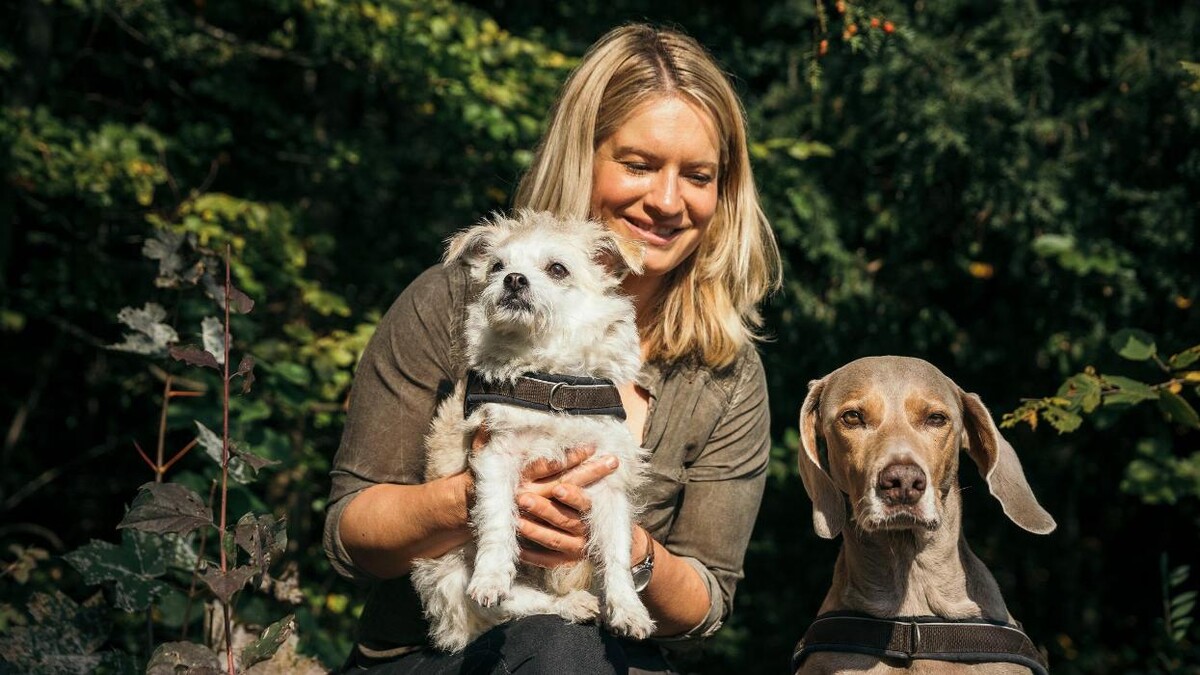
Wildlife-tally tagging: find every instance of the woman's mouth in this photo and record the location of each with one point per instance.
(654, 234)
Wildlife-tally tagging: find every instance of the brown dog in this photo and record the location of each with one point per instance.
(908, 594)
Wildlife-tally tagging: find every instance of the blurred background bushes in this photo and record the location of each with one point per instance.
(995, 187)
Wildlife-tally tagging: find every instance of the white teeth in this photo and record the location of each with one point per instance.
(663, 231)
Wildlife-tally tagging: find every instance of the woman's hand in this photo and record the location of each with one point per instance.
(553, 504)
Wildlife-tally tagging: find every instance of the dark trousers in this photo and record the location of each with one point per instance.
(535, 645)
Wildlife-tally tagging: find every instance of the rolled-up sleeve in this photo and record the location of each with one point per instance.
(407, 367)
(722, 493)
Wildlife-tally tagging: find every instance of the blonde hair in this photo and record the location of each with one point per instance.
(708, 305)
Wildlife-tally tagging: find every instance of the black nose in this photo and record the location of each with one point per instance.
(515, 282)
(901, 484)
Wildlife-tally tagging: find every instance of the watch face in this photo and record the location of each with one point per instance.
(641, 576)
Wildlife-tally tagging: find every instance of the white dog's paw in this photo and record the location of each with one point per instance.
(489, 590)
(629, 619)
(577, 606)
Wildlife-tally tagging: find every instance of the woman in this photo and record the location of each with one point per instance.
(649, 137)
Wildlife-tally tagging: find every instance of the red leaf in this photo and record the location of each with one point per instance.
(239, 301)
(195, 356)
(225, 584)
(246, 370)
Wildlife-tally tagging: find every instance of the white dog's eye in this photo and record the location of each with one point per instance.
(556, 271)
(497, 267)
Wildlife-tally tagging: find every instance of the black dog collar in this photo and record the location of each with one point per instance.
(547, 393)
(922, 637)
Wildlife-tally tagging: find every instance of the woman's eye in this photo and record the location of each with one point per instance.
(636, 167)
(852, 418)
(557, 271)
(700, 178)
(497, 267)
(936, 420)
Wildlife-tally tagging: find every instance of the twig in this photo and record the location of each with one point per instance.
(187, 609)
(225, 457)
(162, 430)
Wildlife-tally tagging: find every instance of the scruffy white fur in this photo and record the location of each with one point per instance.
(581, 325)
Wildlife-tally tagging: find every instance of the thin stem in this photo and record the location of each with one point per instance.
(187, 609)
(179, 455)
(159, 469)
(225, 458)
(146, 458)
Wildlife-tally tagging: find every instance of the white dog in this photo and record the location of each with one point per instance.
(550, 320)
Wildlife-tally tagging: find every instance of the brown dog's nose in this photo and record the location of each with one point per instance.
(515, 282)
(901, 484)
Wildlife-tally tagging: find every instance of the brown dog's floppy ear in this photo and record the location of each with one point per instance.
(829, 511)
(620, 256)
(999, 466)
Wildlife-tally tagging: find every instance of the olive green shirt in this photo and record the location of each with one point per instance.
(708, 432)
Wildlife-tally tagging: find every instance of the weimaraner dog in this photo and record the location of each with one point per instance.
(908, 594)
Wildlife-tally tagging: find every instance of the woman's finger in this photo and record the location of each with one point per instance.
(544, 468)
(573, 497)
(551, 538)
(568, 518)
(589, 472)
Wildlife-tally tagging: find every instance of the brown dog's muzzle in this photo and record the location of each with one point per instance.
(901, 485)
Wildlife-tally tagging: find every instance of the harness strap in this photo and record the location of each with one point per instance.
(926, 637)
(547, 393)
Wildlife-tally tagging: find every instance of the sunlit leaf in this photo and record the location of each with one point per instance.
(152, 337)
(268, 643)
(212, 332)
(1126, 391)
(1133, 344)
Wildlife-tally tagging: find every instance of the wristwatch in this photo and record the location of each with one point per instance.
(644, 570)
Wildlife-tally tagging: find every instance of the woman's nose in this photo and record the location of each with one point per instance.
(663, 198)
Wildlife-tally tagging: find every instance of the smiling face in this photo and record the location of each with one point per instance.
(655, 180)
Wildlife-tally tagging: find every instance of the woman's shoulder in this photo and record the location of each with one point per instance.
(438, 289)
(730, 381)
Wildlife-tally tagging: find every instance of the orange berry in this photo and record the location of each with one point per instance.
(889, 27)
(874, 22)
(823, 48)
(852, 29)
(841, 7)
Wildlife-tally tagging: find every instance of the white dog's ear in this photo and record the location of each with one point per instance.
(618, 255)
(829, 509)
(472, 245)
(999, 466)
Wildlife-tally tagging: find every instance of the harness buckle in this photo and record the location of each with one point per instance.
(550, 397)
(914, 638)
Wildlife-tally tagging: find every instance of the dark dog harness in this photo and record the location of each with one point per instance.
(545, 392)
(921, 637)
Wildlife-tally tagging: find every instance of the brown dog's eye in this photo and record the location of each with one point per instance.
(936, 419)
(852, 418)
(557, 271)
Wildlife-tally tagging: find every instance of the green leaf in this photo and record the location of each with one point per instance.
(1181, 607)
(131, 567)
(1180, 574)
(1083, 390)
(1184, 358)
(1062, 419)
(1178, 410)
(1133, 344)
(268, 643)
(1126, 391)
(166, 507)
